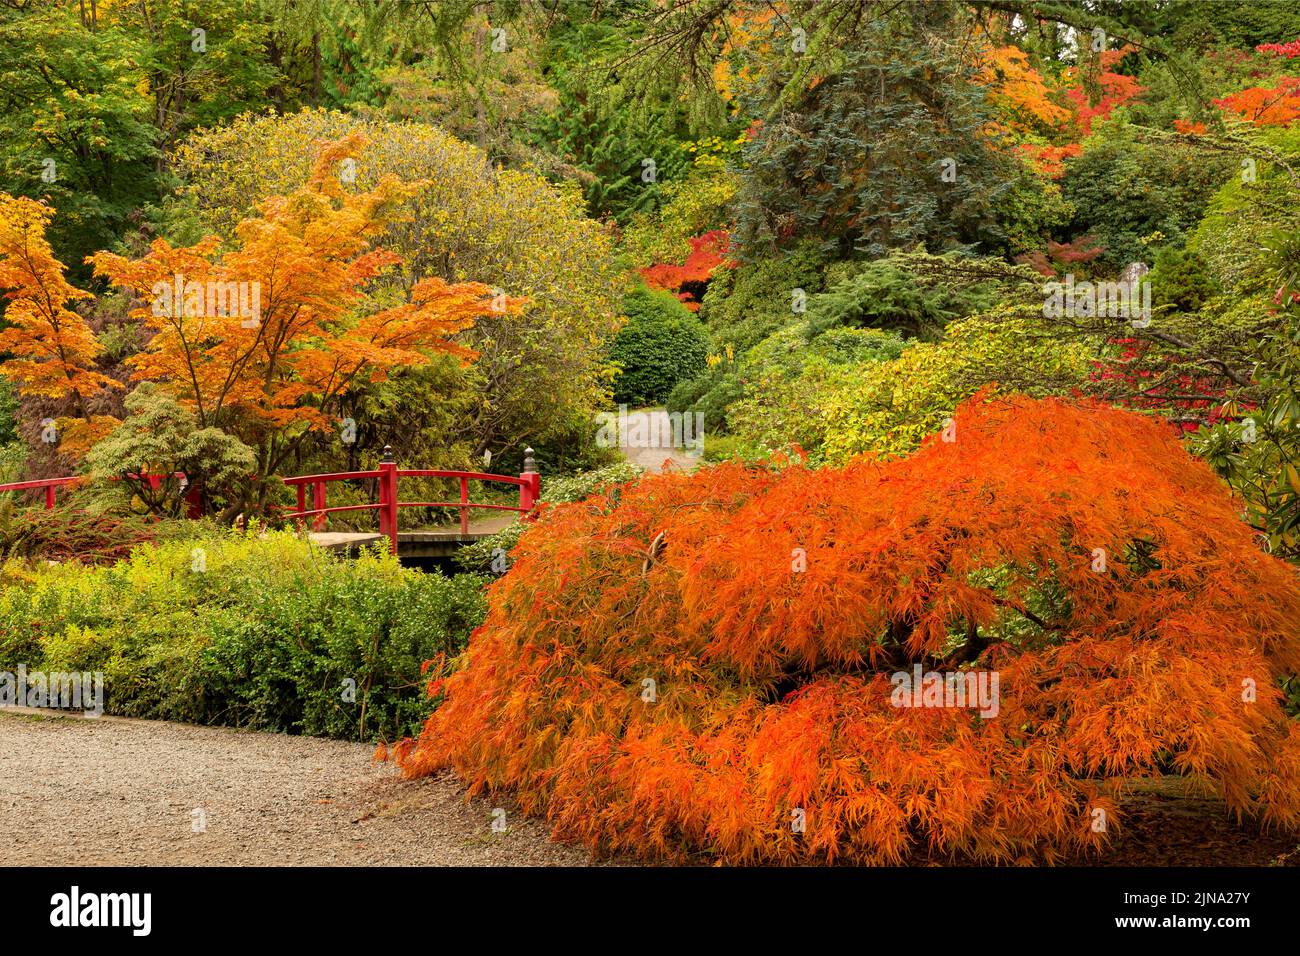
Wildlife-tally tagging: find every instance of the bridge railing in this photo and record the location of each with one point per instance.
(51, 485)
(388, 474)
(48, 485)
(529, 483)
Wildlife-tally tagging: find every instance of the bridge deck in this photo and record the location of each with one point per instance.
(410, 544)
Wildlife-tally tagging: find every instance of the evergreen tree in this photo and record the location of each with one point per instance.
(888, 150)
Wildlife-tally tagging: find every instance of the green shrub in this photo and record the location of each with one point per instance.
(1179, 278)
(743, 306)
(727, 447)
(357, 635)
(1133, 198)
(886, 407)
(661, 344)
(258, 631)
(12, 457)
(491, 554)
(883, 295)
(8, 412)
(160, 437)
(711, 394)
(788, 380)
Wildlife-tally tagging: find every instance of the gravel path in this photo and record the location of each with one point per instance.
(116, 791)
(653, 459)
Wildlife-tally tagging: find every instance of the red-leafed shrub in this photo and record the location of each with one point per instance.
(68, 534)
(695, 662)
(688, 280)
(1132, 379)
(1116, 90)
(1063, 257)
(1289, 50)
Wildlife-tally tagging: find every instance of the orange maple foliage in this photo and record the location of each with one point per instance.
(1050, 160)
(1028, 104)
(782, 599)
(315, 333)
(1279, 106)
(53, 348)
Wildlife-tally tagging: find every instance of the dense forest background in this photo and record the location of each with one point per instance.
(821, 225)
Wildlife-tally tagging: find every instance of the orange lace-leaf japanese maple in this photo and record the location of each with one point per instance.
(1277, 106)
(706, 696)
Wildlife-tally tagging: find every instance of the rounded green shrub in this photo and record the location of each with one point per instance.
(662, 344)
(1179, 278)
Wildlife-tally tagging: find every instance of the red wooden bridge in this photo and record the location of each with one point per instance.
(437, 543)
(413, 543)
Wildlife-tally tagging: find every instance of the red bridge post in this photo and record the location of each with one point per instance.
(530, 493)
(388, 498)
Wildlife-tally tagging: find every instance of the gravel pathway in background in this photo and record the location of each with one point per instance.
(653, 460)
(113, 791)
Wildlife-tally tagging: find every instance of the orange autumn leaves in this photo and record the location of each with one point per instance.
(785, 598)
(311, 258)
(295, 323)
(53, 348)
(1034, 109)
(1275, 106)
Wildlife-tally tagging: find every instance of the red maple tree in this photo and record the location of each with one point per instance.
(688, 280)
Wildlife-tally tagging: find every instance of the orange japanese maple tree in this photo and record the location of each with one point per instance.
(53, 348)
(264, 338)
(1028, 104)
(711, 662)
